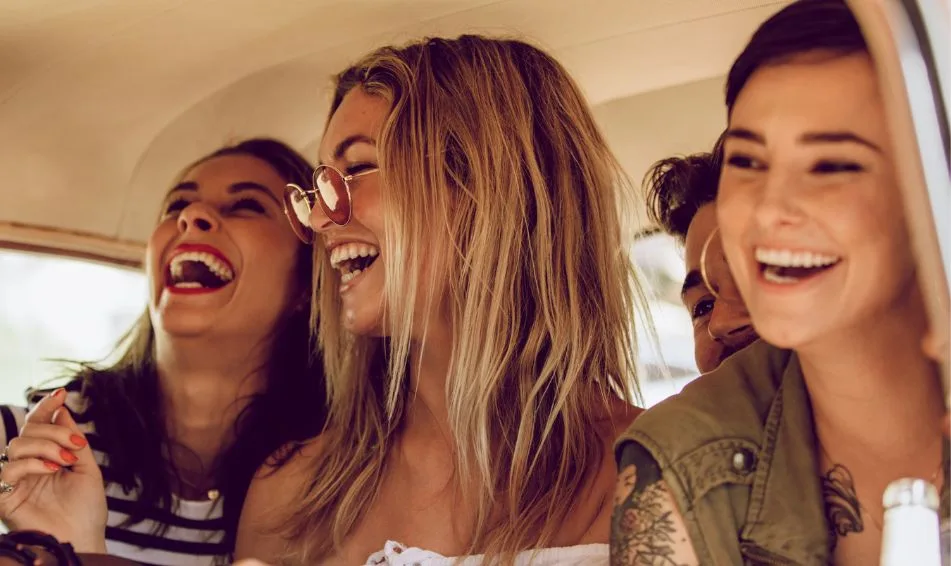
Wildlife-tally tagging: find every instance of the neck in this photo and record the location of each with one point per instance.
(427, 413)
(876, 399)
(204, 387)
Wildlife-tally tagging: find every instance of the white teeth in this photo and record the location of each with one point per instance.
(772, 276)
(346, 277)
(216, 265)
(188, 285)
(789, 258)
(350, 251)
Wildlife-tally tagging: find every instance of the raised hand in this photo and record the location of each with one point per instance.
(50, 481)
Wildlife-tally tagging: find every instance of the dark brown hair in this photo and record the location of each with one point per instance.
(803, 26)
(125, 401)
(677, 187)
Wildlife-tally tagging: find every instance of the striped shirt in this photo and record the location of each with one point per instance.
(194, 534)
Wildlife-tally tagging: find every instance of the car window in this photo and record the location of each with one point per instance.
(54, 308)
(665, 355)
(57, 308)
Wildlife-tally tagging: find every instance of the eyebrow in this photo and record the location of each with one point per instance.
(348, 141)
(241, 186)
(808, 137)
(692, 280)
(838, 137)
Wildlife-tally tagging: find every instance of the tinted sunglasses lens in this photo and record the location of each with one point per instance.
(297, 207)
(334, 198)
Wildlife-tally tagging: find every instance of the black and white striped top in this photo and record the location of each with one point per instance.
(195, 532)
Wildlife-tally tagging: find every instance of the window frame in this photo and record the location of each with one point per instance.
(50, 365)
(904, 37)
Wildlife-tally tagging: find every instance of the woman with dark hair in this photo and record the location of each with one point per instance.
(781, 455)
(216, 376)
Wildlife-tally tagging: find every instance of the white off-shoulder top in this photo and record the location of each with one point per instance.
(396, 554)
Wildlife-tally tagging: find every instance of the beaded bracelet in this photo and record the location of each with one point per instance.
(17, 545)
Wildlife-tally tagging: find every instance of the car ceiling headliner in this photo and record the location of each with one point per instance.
(102, 102)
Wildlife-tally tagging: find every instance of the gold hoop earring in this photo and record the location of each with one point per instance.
(703, 262)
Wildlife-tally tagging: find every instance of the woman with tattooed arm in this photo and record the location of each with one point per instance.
(782, 454)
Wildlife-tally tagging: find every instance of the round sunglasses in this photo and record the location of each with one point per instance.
(331, 190)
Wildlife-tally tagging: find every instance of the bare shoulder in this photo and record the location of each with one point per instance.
(619, 416)
(291, 460)
(275, 487)
(290, 467)
(616, 417)
(613, 418)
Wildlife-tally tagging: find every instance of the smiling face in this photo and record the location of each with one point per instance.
(809, 207)
(349, 145)
(721, 323)
(222, 258)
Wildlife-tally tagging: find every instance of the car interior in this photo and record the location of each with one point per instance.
(102, 101)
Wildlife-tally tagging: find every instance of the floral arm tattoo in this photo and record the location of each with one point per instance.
(646, 527)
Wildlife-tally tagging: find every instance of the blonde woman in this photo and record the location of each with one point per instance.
(476, 318)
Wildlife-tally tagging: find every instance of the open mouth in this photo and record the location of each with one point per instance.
(353, 259)
(787, 267)
(194, 270)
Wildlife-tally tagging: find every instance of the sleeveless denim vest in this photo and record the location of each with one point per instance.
(736, 448)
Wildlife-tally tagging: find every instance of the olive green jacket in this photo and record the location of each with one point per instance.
(736, 449)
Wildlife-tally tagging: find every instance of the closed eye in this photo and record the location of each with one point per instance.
(742, 161)
(357, 168)
(176, 206)
(829, 167)
(249, 204)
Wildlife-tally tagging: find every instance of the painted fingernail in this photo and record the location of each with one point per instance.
(58, 392)
(52, 465)
(78, 441)
(68, 456)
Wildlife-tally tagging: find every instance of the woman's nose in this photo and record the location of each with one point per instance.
(730, 323)
(198, 216)
(778, 204)
(318, 220)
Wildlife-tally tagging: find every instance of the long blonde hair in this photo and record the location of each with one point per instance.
(491, 147)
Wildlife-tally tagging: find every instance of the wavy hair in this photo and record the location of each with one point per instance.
(678, 187)
(490, 148)
(125, 398)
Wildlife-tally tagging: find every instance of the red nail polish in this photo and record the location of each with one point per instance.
(78, 440)
(52, 465)
(68, 456)
(58, 392)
